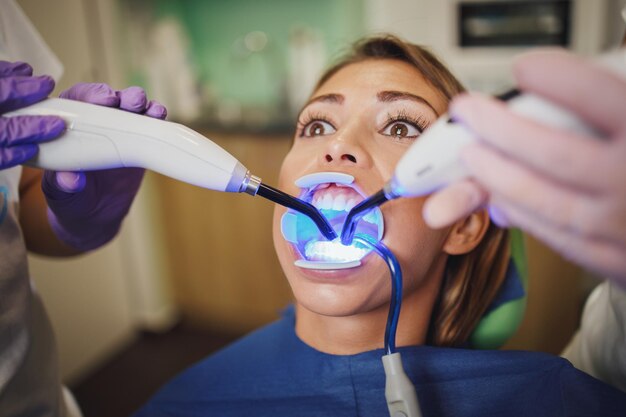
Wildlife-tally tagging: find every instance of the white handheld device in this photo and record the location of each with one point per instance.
(433, 161)
(99, 137)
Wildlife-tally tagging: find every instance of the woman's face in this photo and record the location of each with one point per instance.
(360, 122)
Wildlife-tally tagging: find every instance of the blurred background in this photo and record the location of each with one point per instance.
(193, 269)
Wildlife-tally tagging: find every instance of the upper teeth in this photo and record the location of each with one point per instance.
(339, 202)
(341, 199)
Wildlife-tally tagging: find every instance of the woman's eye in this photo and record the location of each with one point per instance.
(401, 130)
(318, 128)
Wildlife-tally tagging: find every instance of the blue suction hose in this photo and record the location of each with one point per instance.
(396, 288)
(399, 390)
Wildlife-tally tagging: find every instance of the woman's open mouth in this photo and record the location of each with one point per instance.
(333, 194)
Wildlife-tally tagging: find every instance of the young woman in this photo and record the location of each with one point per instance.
(323, 357)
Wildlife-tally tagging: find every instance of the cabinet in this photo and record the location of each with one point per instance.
(224, 272)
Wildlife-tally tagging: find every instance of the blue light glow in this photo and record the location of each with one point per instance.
(312, 246)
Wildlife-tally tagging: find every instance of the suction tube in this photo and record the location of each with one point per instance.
(396, 288)
(399, 390)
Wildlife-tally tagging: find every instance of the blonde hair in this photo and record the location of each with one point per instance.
(471, 280)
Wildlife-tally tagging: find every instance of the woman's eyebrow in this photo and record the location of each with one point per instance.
(326, 98)
(389, 96)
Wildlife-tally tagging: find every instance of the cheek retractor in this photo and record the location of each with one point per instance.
(332, 194)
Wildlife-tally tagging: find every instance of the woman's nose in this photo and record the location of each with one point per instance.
(344, 151)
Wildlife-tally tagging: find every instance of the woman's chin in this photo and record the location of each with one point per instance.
(329, 304)
(340, 292)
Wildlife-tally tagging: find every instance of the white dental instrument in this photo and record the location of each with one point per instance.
(98, 137)
(433, 161)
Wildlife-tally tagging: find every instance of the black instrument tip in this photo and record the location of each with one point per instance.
(286, 200)
(357, 212)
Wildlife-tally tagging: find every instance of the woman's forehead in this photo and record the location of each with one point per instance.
(372, 76)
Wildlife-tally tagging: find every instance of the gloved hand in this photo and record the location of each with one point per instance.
(20, 135)
(565, 189)
(86, 209)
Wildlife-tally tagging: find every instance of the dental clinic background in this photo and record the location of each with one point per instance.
(238, 71)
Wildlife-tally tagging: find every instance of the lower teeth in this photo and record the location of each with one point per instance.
(334, 251)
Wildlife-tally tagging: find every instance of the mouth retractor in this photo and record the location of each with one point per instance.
(333, 195)
(252, 185)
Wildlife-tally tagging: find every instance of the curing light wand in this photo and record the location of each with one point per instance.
(433, 161)
(98, 137)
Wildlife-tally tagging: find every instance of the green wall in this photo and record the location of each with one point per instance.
(215, 26)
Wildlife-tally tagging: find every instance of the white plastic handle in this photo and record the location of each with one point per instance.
(433, 161)
(99, 137)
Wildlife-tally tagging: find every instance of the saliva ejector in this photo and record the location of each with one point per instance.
(98, 137)
(433, 161)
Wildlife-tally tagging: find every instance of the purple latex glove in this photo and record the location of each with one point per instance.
(86, 209)
(20, 135)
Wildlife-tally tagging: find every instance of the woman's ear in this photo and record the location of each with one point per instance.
(467, 233)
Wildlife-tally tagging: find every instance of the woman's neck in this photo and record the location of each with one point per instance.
(348, 335)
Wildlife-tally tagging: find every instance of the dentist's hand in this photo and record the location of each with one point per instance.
(86, 209)
(20, 135)
(566, 189)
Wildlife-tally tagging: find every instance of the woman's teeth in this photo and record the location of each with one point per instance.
(341, 199)
(334, 199)
(340, 202)
(334, 251)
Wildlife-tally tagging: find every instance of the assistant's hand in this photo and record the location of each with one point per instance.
(20, 135)
(86, 209)
(566, 189)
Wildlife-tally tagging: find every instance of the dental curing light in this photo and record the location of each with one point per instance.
(98, 137)
(433, 161)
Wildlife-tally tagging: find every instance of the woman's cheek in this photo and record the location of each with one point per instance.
(407, 235)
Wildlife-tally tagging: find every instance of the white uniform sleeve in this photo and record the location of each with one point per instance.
(20, 41)
(599, 346)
